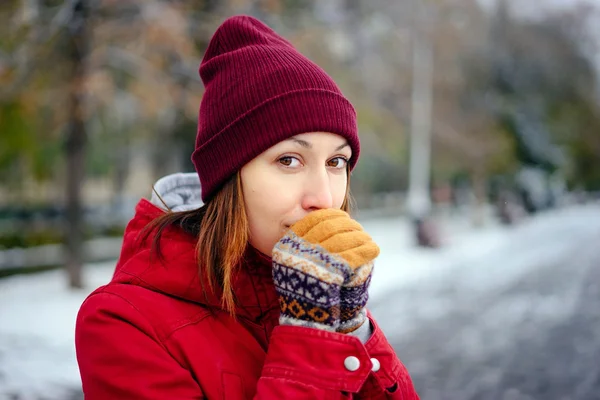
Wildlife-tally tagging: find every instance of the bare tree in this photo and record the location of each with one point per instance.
(77, 48)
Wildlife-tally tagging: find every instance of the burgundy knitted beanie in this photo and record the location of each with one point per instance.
(259, 90)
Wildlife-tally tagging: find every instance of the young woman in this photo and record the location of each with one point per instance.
(258, 291)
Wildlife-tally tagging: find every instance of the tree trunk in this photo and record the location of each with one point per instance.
(76, 142)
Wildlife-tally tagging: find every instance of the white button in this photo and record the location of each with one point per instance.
(376, 365)
(351, 363)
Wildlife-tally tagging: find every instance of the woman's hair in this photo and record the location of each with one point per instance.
(221, 228)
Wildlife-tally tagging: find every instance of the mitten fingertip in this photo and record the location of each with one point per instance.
(311, 220)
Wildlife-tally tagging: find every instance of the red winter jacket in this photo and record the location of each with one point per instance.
(149, 334)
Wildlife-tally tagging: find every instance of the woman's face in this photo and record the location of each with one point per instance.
(294, 177)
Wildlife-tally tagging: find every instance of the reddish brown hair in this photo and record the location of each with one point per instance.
(221, 226)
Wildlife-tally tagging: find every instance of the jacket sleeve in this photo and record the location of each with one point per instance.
(120, 356)
(391, 380)
(307, 363)
(310, 363)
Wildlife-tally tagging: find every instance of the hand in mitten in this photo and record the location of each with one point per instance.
(322, 269)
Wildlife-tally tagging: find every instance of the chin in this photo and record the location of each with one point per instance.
(263, 248)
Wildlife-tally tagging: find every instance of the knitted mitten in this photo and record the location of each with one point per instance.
(322, 269)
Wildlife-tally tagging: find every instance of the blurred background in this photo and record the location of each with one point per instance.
(479, 173)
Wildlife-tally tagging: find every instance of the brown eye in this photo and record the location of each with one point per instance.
(289, 161)
(337, 162)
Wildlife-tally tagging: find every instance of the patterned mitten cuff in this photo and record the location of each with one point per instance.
(308, 281)
(353, 298)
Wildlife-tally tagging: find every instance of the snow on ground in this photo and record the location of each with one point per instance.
(37, 322)
(493, 254)
(421, 288)
(37, 313)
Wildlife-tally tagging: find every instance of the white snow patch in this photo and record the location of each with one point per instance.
(37, 324)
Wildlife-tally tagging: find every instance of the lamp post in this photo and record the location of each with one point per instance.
(418, 198)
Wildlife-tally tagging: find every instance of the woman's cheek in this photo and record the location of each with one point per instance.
(339, 190)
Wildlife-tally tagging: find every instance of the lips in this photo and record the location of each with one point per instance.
(289, 225)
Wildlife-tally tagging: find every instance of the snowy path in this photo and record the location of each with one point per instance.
(415, 294)
(520, 323)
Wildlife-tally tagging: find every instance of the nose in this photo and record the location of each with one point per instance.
(318, 192)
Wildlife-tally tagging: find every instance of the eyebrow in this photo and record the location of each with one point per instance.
(307, 145)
